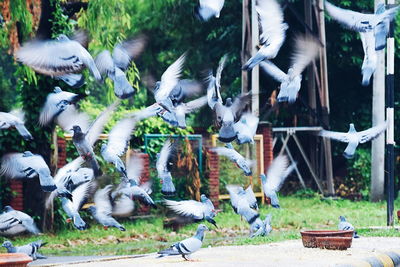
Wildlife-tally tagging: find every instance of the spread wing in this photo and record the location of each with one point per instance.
(134, 168)
(12, 166)
(124, 52)
(187, 208)
(271, 69)
(195, 104)
(239, 104)
(105, 63)
(70, 117)
(306, 50)
(102, 201)
(162, 160)
(342, 137)
(372, 133)
(276, 173)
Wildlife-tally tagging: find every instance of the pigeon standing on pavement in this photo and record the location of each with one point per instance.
(31, 249)
(186, 247)
(15, 119)
(14, 222)
(168, 188)
(246, 128)
(353, 138)
(208, 9)
(344, 225)
(235, 157)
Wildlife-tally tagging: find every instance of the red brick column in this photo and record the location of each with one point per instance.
(213, 177)
(144, 177)
(266, 131)
(17, 200)
(62, 152)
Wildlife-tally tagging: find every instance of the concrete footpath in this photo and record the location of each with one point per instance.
(287, 253)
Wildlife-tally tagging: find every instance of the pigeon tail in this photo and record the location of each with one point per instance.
(349, 151)
(78, 222)
(73, 79)
(380, 36)
(211, 220)
(122, 88)
(96, 168)
(252, 62)
(168, 188)
(367, 73)
(120, 166)
(24, 132)
(227, 134)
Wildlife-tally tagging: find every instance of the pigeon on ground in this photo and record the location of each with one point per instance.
(208, 9)
(59, 58)
(246, 128)
(56, 103)
(31, 249)
(234, 156)
(344, 225)
(370, 56)
(84, 141)
(273, 34)
(378, 23)
(306, 50)
(239, 196)
(168, 188)
(198, 210)
(15, 119)
(277, 173)
(103, 208)
(353, 138)
(14, 222)
(28, 166)
(186, 247)
(116, 64)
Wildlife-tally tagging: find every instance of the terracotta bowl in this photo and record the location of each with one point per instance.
(14, 259)
(334, 242)
(309, 237)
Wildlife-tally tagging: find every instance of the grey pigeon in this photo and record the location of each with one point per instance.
(15, 119)
(208, 9)
(306, 50)
(70, 117)
(370, 56)
(238, 194)
(186, 247)
(14, 222)
(273, 32)
(378, 23)
(277, 173)
(344, 225)
(262, 228)
(353, 138)
(235, 157)
(57, 58)
(246, 128)
(31, 249)
(185, 88)
(203, 210)
(122, 207)
(116, 64)
(168, 188)
(28, 166)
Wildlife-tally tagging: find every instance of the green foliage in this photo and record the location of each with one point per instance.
(359, 176)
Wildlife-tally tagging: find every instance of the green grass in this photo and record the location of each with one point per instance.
(148, 235)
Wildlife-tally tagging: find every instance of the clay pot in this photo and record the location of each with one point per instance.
(309, 237)
(14, 260)
(334, 242)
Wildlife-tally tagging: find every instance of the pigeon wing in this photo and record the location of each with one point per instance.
(239, 104)
(12, 166)
(124, 52)
(272, 70)
(186, 208)
(372, 133)
(306, 50)
(162, 160)
(105, 63)
(275, 174)
(102, 201)
(195, 104)
(134, 168)
(341, 137)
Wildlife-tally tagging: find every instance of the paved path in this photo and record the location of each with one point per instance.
(288, 253)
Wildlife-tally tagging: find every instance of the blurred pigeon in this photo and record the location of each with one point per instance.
(346, 226)
(31, 249)
(56, 103)
(246, 128)
(187, 246)
(27, 166)
(208, 9)
(234, 156)
(370, 56)
(58, 58)
(203, 210)
(306, 50)
(71, 117)
(378, 22)
(14, 222)
(15, 119)
(277, 173)
(122, 207)
(353, 138)
(185, 88)
(102, 211)
(262, 228)
(273, 34)
(238, 194)
(164, 174)
(115, 65)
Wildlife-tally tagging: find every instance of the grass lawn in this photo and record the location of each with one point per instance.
(148, 235)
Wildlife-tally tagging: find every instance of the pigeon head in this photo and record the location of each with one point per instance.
(62, 37)
(342, 218)
(352, 128)
(228, 102)
(203, 198)
(7, 244)
(76, 129)
(92, 209)
(263, 178)
(202, 228)
(8, 209)
(57, 90)
(28, 154)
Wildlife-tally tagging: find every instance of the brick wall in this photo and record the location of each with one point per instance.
(62, 152)
(17, 201)
(144, 177)
(266, 131)
(213, 177)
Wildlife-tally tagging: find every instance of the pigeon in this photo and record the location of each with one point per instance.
(31, 249)
(378, 23)
(185, 88)
(208, 9)
(103, 208)
(198, 210)
(344, 225)
(246, 128)
(15, 119)
(168, 188)
(28, 166)
(116, 64)
(262, 228)
(273, 33)
(370, 56)
(277, 173)
(235, 157)
(56, 103)
(306, 50)
(84, 141)
(186, 247)
(353, 138)
(58, 58)
(70, 117)
(122, 207)
(13, 222)
(238, 195)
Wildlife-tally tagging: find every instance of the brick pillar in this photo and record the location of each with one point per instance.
(62, 152)
(17, 200)
(144, 177)
(266, 131)
(213, 177)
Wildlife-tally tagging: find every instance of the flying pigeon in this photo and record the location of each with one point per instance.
(31, 249)
(239, 196)
(27, 166)
(208, 9)
(122, 207)
(185, 88)
(15, 119)
(70, 117)
(306, 50)
(344, 225)
(13, 222)
(378, 23)
(273, 34)
(116, 64)
(277, 173)
(58, 58)
(235, 157)
(353, 138)
(164, 174)
(370, 56)
(186, 247)
(246, 128)
(261, 228)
